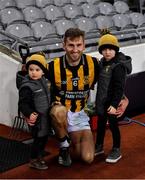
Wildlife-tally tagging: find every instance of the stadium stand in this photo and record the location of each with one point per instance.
(42, 23)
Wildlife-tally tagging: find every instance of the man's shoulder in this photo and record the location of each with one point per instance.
(89, 57)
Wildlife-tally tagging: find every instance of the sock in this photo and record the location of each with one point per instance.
(64, 142)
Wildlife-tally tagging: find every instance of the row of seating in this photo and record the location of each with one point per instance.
(51, 12)
(42, 29)
(42, 23)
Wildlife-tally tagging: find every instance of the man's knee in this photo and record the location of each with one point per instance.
(58, 114)
(88, 158)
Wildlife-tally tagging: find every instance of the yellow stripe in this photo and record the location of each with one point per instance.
(57, 75)
(81, 80)
(91, 70)
(68, 104)
(69, 80)
(78, 104)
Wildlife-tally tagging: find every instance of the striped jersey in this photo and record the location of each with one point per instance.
(71, 84)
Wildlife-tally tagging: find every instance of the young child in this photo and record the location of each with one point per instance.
(34, 102)
(114, 66)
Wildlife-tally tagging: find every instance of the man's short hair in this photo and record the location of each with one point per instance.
(73, 33)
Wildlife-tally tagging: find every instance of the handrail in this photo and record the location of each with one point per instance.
(17, 39)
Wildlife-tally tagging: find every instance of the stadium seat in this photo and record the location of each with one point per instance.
(90, 10)
(104, 22)
(121, 7)
(53, 13)
(7, 3)
(106, 8)
(122, 21)
(24, 3)
(137, 19)
(10, 15)
(33, 14)
(62, 25)
(61, 2)
(43, 30)
(78, 2)
(44, 3)
(72, 11)
(21, 31)
(86, 24)
(93, 1)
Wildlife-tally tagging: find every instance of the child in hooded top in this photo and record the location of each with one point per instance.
(114, 66)
(34, 103)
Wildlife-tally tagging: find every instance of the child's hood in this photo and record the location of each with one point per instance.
(126, 60)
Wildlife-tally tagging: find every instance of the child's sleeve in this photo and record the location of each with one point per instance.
(26, 104)
(118, 84)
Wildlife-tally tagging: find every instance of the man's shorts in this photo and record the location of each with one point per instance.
(77, 121)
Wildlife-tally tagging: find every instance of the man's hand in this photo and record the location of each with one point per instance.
(122, 107)
(111, 110)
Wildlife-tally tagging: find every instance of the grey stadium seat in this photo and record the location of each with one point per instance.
(104, 22)
(137, 19)
(85, 24)
(122, 21)
(106, 8)
(11, 15)
(20, 30)
(93, 1)
(61, 2)
(72, 11)
(43, 30)
(121, 7)
(78, 2)
(7, 3)
(33, 14)
(53, 13)
(90, 10)
(44, 3)
(24, 3)
(62, 25)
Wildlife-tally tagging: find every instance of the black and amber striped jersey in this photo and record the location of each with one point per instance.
(71, 84)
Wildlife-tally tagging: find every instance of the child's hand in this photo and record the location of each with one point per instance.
(32, 119)
(111, 110)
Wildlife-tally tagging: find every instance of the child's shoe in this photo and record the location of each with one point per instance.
(99, 149)
(114, 155)
(38, 164)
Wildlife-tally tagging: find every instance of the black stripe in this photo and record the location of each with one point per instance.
(96, 71)
(63, 78)
(86, 74)
(75, 88)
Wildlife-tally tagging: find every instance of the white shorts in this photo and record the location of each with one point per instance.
(78, 121)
